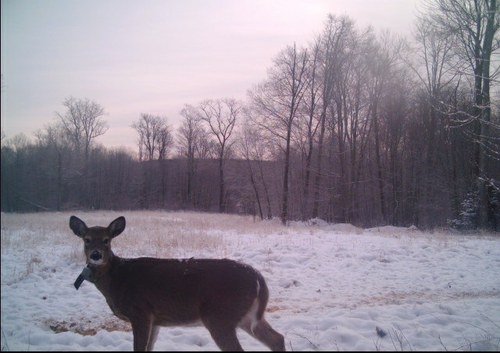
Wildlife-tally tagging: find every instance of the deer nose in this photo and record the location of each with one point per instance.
(95, 255)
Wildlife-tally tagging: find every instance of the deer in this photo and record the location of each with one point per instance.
(149, 292)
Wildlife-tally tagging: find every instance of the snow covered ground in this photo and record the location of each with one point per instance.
(332, 286)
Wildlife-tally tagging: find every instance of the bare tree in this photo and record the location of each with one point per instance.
(82, 122)
(165, 142)
(334, 42)
(473, 24)
(276, 103)
(253, 149)
(191, 138)
(434, 64)
(310, 120)
(246, 141)
(52, 137)
(221, 115)
(383, 56)
(155, 137)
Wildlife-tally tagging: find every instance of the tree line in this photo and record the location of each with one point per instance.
(356, 127)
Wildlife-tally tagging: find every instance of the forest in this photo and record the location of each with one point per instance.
(357, 127)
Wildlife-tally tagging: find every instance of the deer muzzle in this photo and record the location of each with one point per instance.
(95, 257)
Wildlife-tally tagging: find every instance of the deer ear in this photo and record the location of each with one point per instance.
(77, 226)
(117, 226)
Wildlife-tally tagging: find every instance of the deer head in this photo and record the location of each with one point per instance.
(97, 240)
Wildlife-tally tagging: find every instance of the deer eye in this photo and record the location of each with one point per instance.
(105, 241)
(87, 240)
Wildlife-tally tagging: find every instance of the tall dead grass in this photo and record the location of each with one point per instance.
(148, 233)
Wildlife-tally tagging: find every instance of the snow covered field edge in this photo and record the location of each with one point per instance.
(332, 286)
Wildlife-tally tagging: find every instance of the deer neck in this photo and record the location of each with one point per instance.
(101, 275)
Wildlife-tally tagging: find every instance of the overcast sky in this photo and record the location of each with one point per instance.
(154, 56)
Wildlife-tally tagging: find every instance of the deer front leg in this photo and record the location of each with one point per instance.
(142, 329)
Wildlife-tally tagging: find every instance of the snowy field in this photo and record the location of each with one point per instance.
(332, 287)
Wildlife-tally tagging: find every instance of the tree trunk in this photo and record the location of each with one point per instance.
(266, 191)
(485, 117)
(221, 185)
(379, 164)
(255, 189)
(317, 179)
(284, 204)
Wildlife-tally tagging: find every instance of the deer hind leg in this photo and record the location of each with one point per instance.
(224, 334)
(262, 331)
(152, 337)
